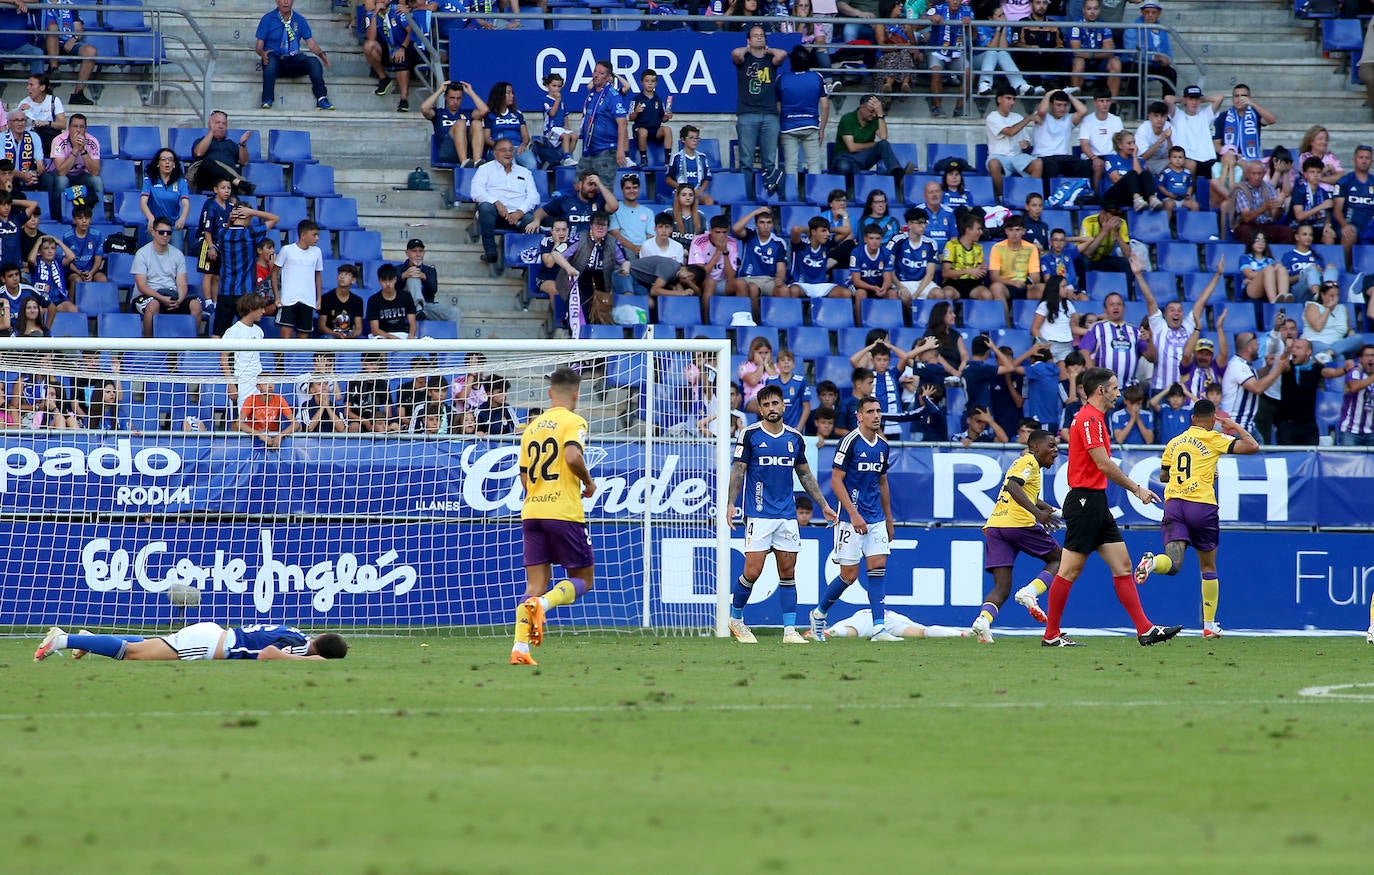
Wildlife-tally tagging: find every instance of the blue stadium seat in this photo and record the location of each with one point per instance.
(985, 315)
(1342, 35)
(850, 340)
(1240, 315)
(1023, 313)
(174, 325)
(144, 50)
(1019, 339)
(360, 245)
(254, 144)
(819, 186)
(1151, 226)
(1328, 410)
(439, 330)
(729, 188)
(270, 179)
(313, 180)
(289, 147)
(127, 210)
(576, 20)
(808, 342)
(1233, 253)
(139, 142)
(1060, 219)
(1015, 189)
(119, 174)
(979, 189)
(864, 183)
(337, 213)
(123, 15)
(1194, 283)
(70, 325)
(1197, 227)
(914, 186)
(881, 313)
(290, 211)
(1177, 257)
(780, 312)
(96, 298)
(183, 140)
(107, 51)
(836, 369)
(118, 268)
(1135, 311)
(710, 147)
(1329, 253)
(744, 335)
(119, 325)
(1101, 284)
(704, 332)
(936, 152)
(603, 332)
(1163, 285)
(462, 184)
(723, 310)
(1362, 259)
(832, 313)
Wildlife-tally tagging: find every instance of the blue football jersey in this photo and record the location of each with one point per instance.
(1359, 198)
(870, 267)
(249, 641)
(759, 258)
(769, 460)
(912, 260)
(811, 266)
(795, 393)
(864, 465)
(1178, 183)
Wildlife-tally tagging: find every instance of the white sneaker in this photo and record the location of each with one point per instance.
(984, 88)
(1144, 567)
(817, 625)
(1211, 630)
(1072, 89)
(1025, 597)
(741, 632)
(1156, 203)
(1369, 636)
(46, 649)
(884, 635)
(983, 629)
(792, 636)
(1023, 89)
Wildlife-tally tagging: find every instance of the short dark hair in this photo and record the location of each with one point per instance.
(1034, 196)
(827, 386)
(564, 379)
(916, 214)
(872, 229)
(1038, 437)
(837, 193)
(1312, 162)
(1093, 378)
(1202, 408)
(1133, 393)
(860, 374)
(1175, 390)
(350, 268)
(160, 221)
(1157, 107)
(83, 210)
(386, 272)
(601, 217)
(305, 225)
(664, 218)
(802, 58)
(246, 304)
(1100, 92)
(770, 391)
(878, 349)
(1366, 347)
(718, 222)
(803, 501)
(1005, 89)
(330, 645)
(1074, 359)
(981, 345)
(1029, 422)
(1014, 222)
(823, 413)
(817, 223)
(867, 400)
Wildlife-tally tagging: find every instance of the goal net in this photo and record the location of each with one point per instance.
(138, 489)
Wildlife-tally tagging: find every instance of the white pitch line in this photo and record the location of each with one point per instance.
(913, 705)
(1337, 692)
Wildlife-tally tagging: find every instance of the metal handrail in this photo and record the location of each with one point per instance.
(965, 71)
(196, 63)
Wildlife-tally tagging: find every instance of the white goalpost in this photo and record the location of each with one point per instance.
(394, 507)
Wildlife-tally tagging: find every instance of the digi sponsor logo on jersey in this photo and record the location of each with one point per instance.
(119, 460)
(869, 467)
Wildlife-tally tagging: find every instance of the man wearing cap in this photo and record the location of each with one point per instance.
(505, 193)
(633, 224)
(422, 282)
(1201, 364)
(1258, 207)
(1159, 54)
(1192, 121)
(861, 142)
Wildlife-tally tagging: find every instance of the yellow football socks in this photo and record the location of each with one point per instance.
(563, 593)
(984, 615)
(1040, 586)
(1211, 588)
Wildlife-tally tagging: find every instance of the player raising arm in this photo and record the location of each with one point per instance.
(553, 522)
(199, 641)
(1188, 469)
(1090, 525)
(859, 480)
(766, 454)
(1020, 522)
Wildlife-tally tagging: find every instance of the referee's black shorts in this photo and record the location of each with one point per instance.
(1088, 521)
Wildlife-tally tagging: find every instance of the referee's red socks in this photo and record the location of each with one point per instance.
(1129, 595)
(1059, 596)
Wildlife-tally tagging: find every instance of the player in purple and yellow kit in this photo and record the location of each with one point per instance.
(1188, 469)
(1020, 522)
(554, 524)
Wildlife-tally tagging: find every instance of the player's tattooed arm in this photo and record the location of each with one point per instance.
(813, 489)
(737, 470)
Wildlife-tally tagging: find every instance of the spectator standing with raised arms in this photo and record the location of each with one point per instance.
(450, 122)
(281, 35)
(756, 107)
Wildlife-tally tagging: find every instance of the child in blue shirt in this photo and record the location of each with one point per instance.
(1175, 183)
(1175, 416)
(1133, 424)
(556, 133)
(689, 166)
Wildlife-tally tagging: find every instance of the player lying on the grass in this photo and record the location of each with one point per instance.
(767, 452)
(859, 480)
(1188, 470)
(199, 641)
(554, 475)
(1020, 522)
(898, 626)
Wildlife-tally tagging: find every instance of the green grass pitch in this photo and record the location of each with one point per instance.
(629, 754)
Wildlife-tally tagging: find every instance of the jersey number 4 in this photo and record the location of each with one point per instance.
(542, 456)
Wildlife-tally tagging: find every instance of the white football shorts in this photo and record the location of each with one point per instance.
(761, 535)
(199, 641)
(850, 546)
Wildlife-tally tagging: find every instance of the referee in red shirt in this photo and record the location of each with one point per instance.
(1089, 525)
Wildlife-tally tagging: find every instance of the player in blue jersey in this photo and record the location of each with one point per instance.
(763, 260)
(199, 641)
(767, 453)
(812, 261)
(870, 270)
(859, 481)
(1354, 207)
(915, 260)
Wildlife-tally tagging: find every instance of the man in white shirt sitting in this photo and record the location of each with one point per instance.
(505, 194)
